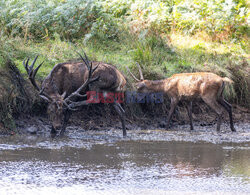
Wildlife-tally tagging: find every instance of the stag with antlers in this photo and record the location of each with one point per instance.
(189, 86)
(61, 87)
(68, 81)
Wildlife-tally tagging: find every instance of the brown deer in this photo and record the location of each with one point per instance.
(65, 83)
(110, 80)
(188, 86)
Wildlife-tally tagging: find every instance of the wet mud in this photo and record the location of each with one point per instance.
(145, 128)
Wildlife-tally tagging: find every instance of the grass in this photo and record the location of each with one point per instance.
(159, 56)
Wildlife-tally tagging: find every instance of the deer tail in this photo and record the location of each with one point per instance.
(225, 79)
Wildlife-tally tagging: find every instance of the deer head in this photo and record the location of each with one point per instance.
(141, 84)
(56, 110)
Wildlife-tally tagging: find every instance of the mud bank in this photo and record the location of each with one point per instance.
(90, 128)
(148, 125)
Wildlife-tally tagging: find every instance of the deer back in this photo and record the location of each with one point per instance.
(192, 85)
(110, 78)
(65, 77)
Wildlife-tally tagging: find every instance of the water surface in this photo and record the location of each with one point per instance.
(104, 163)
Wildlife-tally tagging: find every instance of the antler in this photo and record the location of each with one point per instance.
(32, 73)
(72, 105)
(132, 74)
(140, 71)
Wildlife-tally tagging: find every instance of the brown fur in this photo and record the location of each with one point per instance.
(66, 78)
(110, 79)
(63, 78)
(189, 86)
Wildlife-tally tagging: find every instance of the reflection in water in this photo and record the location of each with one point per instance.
(122, 167)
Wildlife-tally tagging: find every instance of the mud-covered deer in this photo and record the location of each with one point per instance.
(68, 82)
(65, 82)
(189, 86)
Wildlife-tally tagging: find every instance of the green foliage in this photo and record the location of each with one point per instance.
(41, 19)
(164, 37)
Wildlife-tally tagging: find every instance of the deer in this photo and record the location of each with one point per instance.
(110, 81)
(65, 85)
(65, 82)
(189, 86)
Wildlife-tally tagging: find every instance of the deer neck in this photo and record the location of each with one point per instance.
(156, 86)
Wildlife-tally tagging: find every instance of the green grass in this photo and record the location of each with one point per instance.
(159, 57)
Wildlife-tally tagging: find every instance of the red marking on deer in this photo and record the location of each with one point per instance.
(64, 82)
(68, 81)
(110, 81)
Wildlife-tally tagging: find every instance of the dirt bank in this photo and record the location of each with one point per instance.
(15, 97)
(102, 120)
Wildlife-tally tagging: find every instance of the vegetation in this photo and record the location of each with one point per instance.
(220, 19)
(164, 36)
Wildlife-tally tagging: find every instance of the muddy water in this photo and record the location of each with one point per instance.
(147, 162)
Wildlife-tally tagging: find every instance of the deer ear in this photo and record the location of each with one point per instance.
(64, 94)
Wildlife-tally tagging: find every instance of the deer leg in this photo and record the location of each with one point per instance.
(67, 115)
(121, 114)
(189, 110)
(228, 108)
(53, 131)
(173, 105)
(177, 115)
(217, 108)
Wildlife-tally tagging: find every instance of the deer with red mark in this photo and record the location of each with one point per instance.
(189, 86)
(110, 81)
(68, 82)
